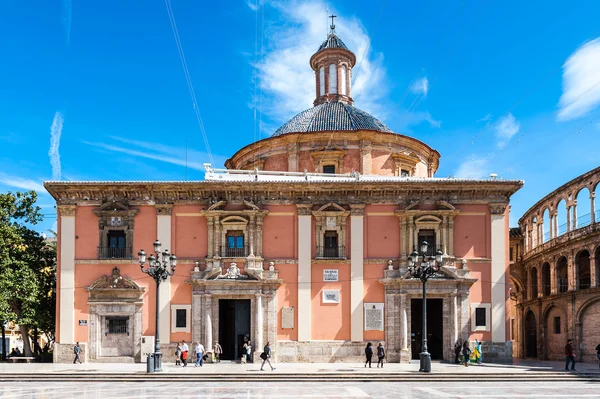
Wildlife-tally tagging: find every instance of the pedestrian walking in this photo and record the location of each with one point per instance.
(380, 354)
(466, 351)
(178, 355)
(199, 351)
(369, 354)
(478, 354)
(77, 352)
(598, 354)
(248, 347)
(570, 354)
(185, 350)
(217, 351)
(457, 350)
(266, 357)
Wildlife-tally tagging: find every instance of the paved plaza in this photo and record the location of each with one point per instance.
(61, 390)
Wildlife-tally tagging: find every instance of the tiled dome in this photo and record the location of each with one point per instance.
(332, 116)
(332, 41)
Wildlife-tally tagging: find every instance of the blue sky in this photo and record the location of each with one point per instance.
(95, 90)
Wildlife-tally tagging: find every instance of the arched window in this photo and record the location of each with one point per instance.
(546, 225)
(583, 208)
(332, 78)
(343, 82)
(583, 270)
(546, 279)
(561, 275)
(321, 81)
(534, 283)
(561, 218)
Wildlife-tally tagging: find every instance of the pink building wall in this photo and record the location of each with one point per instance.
(330, 321)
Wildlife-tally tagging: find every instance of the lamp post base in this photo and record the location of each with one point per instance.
(425, 362)
(157, 362)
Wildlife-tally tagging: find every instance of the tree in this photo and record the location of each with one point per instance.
(27, 266)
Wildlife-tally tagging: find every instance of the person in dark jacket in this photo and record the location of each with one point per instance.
(380, 354)
(570, 354)
(369, 354)
(466, 353)
(77, 352)
(266, 357)
(457, 350)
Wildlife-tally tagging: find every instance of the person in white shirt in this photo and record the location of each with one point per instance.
(199, 350)
(184, 353)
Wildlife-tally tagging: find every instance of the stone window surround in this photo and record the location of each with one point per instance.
(341, 216)
(236, 223)
(403, 161)
(106, 212)
(488, 316)
(188, 318)
(328, 157)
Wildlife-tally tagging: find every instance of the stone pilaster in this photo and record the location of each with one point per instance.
(498, 277)
(356, 271)
(66, 270)
(163, 229)
(304, 273)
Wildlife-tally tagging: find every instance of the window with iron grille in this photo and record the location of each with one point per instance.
(557, 325)
(117, 325)
(181, 318)
(480, 317)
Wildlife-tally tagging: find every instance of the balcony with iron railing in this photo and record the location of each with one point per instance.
(227, 252)
(115, 253)
(338, 252)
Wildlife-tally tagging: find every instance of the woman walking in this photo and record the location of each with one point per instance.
(478, 354)
(457, 350)
(266, 357)
(380, 354)
(178, 355)
(369, 354)
(466, 353)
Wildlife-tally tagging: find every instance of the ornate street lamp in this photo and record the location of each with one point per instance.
(424, 270)
(160, 267)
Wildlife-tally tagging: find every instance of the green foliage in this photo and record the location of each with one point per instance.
(27, 265)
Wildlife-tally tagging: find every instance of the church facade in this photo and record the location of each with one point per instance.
(303, 242)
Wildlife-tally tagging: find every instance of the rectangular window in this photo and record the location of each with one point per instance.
(235, 239)
(480, 317)
(429, 236)
(512, 257)
(117, 325)
(180, 318)
(404, 173)
(330, 249)
(116, 239)
(557, 325)
(329, 169)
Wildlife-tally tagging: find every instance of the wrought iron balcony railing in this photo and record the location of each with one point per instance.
(338, 252)
(227, 252)
(115, 253)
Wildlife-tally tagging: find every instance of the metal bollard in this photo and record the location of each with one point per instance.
(150, 363)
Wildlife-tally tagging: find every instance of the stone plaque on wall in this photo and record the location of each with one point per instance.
(373, 316)
(330, 275)
(287, 317)
(330, 222)
(331, 296)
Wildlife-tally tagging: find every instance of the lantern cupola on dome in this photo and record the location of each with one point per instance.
(333, 64)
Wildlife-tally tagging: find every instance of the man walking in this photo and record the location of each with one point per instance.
(570, 354)
(199, 353)
(77, 352)
(218, 351)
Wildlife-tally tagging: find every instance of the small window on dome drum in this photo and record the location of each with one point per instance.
(321, 81)
(329, 169)
(343, 80)
(404, 173)
(333, 79)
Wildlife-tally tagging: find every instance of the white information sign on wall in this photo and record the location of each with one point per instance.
(330, 275)
(373, 316)
(287, 317)
(331, 296)
(330, 222)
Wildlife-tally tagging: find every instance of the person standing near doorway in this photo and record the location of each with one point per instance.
(466, 351)
(457, 350)
(77, 352)
(380, 354)
(369, 354)
(570, 354)
(217, 351)
(178, 355)
(248, 351)
(598, 354)
(266, 357)
(185, 350)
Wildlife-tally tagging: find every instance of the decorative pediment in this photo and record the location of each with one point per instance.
(331, 207)
(114, 281)
(413, 205)
(113, 206)
(428, 219)
(251, 206)
(115, 215)
(217, 206)
(234, 219)
(443, 205)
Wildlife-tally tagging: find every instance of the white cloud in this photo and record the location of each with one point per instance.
(19, 182)
(252, 4)
(67, 17)
(486, 118)
(420, 86)
(581, 82)
(284, 72)
(406, 119)
(473, 168)
(506, 128)
(55, 133)
(159, 152)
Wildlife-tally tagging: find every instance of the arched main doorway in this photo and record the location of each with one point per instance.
(530, 335)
